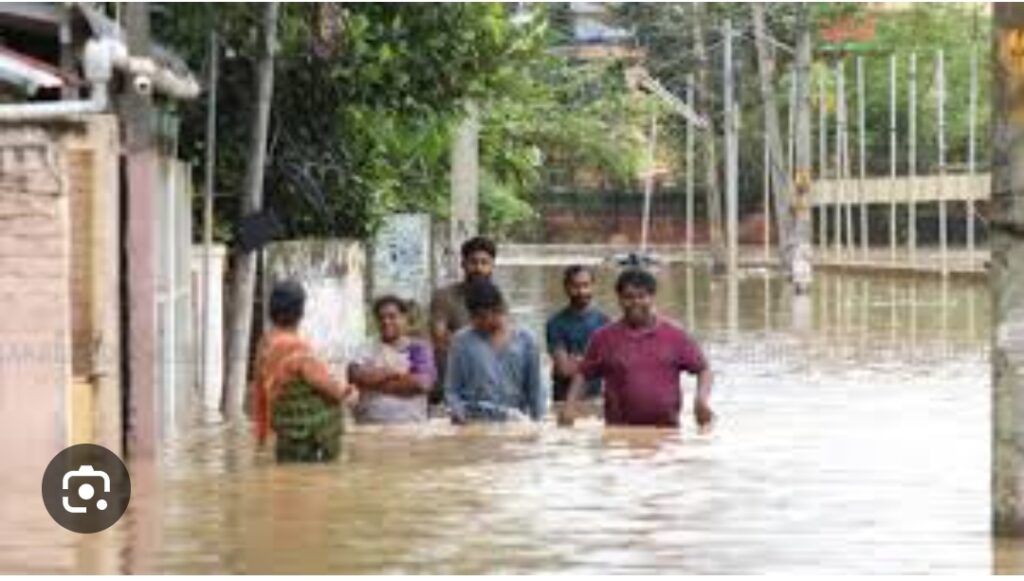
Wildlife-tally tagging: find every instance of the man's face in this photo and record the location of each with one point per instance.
(580, 289)
(478, 265)
(489, 322)
(637, 305)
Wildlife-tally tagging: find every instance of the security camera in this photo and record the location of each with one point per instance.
(143, 84)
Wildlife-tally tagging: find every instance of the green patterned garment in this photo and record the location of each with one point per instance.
(307, 425)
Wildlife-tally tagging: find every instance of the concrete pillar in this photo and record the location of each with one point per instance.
(210, 378)
(465, 180)
(1007, 274)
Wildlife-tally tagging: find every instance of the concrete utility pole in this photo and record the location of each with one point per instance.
(780, 178)
(465, 180)
(802, 258)
(690, 172)
(1007, 273)
(243, 284)
(709, 155)
(208, 187)
(138, 115)
(731, 155)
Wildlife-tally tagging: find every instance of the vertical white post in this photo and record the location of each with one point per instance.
(861, 157)
(731, 156)
(848, 195)
(791, 121)
(766, 195)
(840, 188)
(940, 106)
(822, 165)
(690, 172)
(971, 128)
(652, 146)
(892, 158)
(912, 162)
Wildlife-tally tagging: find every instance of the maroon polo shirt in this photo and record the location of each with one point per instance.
(641, 368)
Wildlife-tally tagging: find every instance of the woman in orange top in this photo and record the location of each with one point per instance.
(294, 394)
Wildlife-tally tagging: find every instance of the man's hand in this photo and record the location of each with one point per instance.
(702, 411)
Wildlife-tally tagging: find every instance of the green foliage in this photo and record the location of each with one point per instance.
(366, 99)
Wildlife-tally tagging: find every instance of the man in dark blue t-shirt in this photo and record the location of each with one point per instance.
(569, 331)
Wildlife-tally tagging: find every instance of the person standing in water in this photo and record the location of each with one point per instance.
(294, 394)
(394, 374)
(448, 311)
(640, 357)
(568, 332)
(493, 365)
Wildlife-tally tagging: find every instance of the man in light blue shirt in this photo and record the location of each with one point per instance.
(493, 366)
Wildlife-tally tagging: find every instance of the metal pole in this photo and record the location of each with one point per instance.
(791, 121)
(690, 172)
(767, 192)
(861, 158)
(649, 182)
(840, 186)
(208, 187)
(971, 128)
(848, 204)
(912, 161)
(731, 146)
(940, 96)
(822, 163)
(892, 158)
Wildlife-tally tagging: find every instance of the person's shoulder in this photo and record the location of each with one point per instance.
(609, 329)
(673, 328)
(558, 318)
(599, 315)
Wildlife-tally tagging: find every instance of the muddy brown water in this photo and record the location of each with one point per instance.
(853, 437)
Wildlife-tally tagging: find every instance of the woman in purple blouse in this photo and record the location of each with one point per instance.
(394, 374)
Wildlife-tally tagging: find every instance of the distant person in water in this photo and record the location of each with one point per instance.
(448, 311)
(493, 365)
(294, 394)
(640, 357)
(395, 374)
(568, 332)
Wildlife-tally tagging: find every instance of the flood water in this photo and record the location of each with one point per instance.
(853, 437)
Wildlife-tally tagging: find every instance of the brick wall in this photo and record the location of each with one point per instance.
(35, 325)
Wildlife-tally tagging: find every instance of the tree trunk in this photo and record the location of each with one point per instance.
(243, 281)
(801, 249)
(1007, 272)
(781, 184)
(704, 106)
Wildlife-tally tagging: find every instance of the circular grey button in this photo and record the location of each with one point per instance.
(86, 488)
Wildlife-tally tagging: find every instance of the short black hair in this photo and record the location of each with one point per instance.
(571, 272)
(483, 295)
(287, 303)
(636, 278)
(479, 244)
(381, 302)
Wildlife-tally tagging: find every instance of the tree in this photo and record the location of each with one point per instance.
(704, 106)
(243, 280)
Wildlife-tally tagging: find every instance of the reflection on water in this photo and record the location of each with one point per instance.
(853, 436)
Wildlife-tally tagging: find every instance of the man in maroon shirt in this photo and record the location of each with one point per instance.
(640, 357)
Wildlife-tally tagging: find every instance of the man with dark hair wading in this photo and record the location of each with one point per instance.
(294, 394)
(568, 332)
(448, 311)
(493, 366)
(640, 358)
